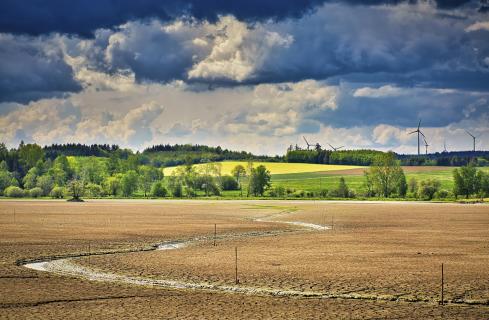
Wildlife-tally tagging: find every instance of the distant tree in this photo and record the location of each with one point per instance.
(402, 185)
(484, 184)
(94, 190)
(112, 185)
(369, 184)
(30, 154)
(413, 186)
(387, 175)
(187, 177)
(57, 193)
(35, 192)
(61, 170)
(239, 172)
(6, 180)
(229, 183)
(249, 171)
(158, 190)
(129, 183)
(175, 186)
(147, 176)
(342, 190)
(46, 183)
(208, 179)
(76, 189)
(259, 180)
(30, 179)
(93, 170)
(466, 181)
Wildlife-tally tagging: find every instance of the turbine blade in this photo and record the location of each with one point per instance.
(413, 132)
(470, 134)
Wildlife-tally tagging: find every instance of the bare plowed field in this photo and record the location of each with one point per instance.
(373, 253)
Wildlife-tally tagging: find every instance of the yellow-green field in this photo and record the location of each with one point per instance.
(274, 167)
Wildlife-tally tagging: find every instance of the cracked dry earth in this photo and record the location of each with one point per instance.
(375, 253)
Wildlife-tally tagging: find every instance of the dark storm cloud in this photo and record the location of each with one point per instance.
(82, 17)
(31, 69)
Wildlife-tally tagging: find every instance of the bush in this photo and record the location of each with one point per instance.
(428, 188)
(13, 192)
(94, 190)
(299, 194)
(442, 194)
(35, 192)
(229, 183)
(278, 192)
(341, 191)
(57, 193)
(177, 190)
(158, 190)
(323, 193)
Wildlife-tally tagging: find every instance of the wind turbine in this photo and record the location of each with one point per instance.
(473, 137)
(419, 133)
(426, 145)
(308, 145)
(337, 148)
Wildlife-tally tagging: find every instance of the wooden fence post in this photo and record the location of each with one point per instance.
(442, 283)
(236, 265)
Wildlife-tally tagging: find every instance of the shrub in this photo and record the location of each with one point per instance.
(342, 191)
(177, 190)
(13, 192)
(175, 187)
(309, 194)
(229, 183)
(428, 188)
(280, 191)
(298, 194)
(35, 192)
(413, 188)
(57, 193)
(94, 190)
(323, 193)
(158, 190)
(46, 183)
(442, 194)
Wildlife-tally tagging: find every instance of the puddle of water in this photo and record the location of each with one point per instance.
(171, 246)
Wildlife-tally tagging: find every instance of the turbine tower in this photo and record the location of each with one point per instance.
(473, 137)
(419, 133)
(426, 145)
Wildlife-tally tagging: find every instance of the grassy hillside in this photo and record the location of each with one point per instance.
(276, 168)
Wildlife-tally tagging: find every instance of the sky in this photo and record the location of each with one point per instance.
(253, 75)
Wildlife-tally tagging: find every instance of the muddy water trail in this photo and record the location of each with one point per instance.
(67, 266)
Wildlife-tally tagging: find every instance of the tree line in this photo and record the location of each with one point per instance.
(367, 157)
(30, 171)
